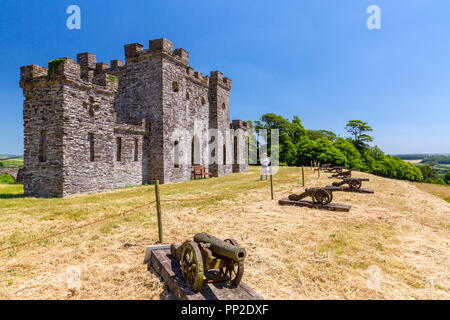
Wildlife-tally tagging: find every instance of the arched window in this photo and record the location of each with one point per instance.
(176, 154)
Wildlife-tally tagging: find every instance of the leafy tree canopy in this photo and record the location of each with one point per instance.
(299, 146)
(357, 129)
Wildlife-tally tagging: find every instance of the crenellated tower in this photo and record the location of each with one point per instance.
(92, 126)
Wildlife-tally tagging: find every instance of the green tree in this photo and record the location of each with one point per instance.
(447, 177)
(288, 133)
(350, 152)
(317, 134)
(357, 129)
(427, 171)
(320, 150)
(298, 146)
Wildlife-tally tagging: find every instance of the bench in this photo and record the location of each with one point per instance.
(200, 171)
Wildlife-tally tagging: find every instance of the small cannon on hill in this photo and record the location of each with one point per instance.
(353, 183)
(325, 166)
(334, 169)
(318, 195)
(206, 253)
(343, 174)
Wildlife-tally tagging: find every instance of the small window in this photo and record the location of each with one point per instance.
(175, 87)
(136, 149)
(203, 100)
(119, 149)
(235, 150)
(91, 147)
(224, 154)
(223, 105)
(187, 95)
(91, 111)
(43, 146)
(176, 154)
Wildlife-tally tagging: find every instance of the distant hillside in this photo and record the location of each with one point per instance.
(5, 156)
(418, 156)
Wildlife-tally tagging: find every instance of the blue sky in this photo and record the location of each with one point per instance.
(315, 59)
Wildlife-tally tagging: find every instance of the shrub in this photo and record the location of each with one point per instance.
(6, 178)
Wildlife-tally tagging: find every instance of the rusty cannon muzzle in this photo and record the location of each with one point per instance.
(221, 247)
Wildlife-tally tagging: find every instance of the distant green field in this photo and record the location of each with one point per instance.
(433, 161)
(11, 162)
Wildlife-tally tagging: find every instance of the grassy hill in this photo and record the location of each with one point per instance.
(401, 232)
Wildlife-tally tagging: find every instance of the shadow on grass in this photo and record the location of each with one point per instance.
(12, 196)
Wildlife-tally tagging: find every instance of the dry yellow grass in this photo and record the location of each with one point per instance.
(393, 244)
(436, 189)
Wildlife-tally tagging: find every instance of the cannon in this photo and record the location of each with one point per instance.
(325, 166)
(334, 169)
(318, 195)
(353, 183)
(343, 174)
(206, 253)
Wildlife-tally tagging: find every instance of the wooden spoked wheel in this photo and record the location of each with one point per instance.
(322, 197)
(233, 271)
(192, 265)
(355, 184)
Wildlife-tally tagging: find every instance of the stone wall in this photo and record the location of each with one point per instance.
(140, 96)
(219, 118)
(42, 116)
(186, 119)
(240, 145)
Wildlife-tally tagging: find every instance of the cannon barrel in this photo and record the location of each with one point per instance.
(220, 247)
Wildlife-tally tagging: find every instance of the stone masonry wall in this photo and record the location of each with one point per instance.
(219, 118)
(186, 119)
(140, 96)
(42, 114)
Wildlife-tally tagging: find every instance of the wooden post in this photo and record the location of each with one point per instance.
(318, 170)
(271, 184)
(303, 177)
(158, 211)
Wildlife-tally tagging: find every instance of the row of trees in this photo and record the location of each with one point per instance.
(430, 176)
(299, 146)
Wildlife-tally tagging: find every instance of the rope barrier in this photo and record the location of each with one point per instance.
(107, 218)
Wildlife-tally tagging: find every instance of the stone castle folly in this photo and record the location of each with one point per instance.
(90, 126)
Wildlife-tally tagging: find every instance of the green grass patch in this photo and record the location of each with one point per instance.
(6, 178)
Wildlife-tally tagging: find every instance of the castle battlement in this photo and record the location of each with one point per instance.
(85, 73)
(239, 124)
(217, 77)
(157, 47)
